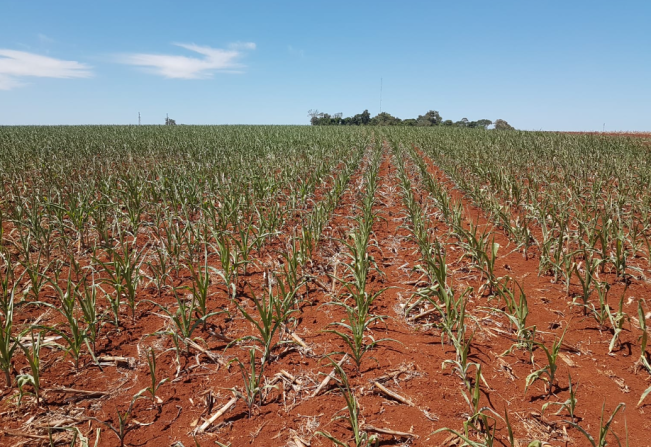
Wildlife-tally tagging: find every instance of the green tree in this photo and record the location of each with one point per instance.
(431, 118)
(385, 119)
(484, 123)
(503, 125)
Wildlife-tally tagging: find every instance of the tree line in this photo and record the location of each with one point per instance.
(431, 118)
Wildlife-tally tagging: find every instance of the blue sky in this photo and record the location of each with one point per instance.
(551, 65)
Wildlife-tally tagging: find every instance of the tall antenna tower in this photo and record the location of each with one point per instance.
(139, 118)
(380, 95)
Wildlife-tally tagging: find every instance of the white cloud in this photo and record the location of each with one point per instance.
(184, 67)
(242, 46)
(295, 52)
(14, 65)
(8, 83)
(44, 39)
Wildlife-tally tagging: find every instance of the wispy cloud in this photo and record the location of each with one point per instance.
(295, 51)
(242, 46)
(44, 39)
(184, 67)
(16, 65)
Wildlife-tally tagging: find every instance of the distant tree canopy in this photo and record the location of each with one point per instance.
(503, 125)
(170, 122)
(431, 118)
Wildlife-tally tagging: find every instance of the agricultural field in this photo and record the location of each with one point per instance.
(319, 286)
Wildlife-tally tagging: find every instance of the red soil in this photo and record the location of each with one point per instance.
(415, 358)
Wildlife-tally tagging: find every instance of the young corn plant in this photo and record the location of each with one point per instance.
(569, 404)
(274, 309)
(358, 323)
(245, 243)
(452, 311)
(587, 277)
(36, 275)
(293, 261)
(619, 257)
(184, 322)
(548, 370)
(360, 437)
(200, 284)
(123, 275)
(8, 343)
(517, 313)
(644, 359)
(487, 265)
(253, 382)
(230, 261)
(32, 353)
(567, 266)
(67, 307)
(604, 428)
(602, 313)
(617, 320)
(461, 365)
(123, 426)
(155, 384)
(479, 421)
(8, 280)
(87, 300)
(160, 270)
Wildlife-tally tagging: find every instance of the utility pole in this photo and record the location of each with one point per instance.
(380, 95)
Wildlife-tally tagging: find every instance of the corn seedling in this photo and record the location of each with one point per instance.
(586, 278)
(517, 313)
(358, 323)
(32, 353)
(200, 285)
(230, 262)
(617, 320)
(123, 426)
(569, 404)
(548, 370)
(87, 300)
(123, 275)
(160, 270)
(644, 360)
(360, 437)
(274, 309)
(7, 280)
(245, 243)
(8, 343)
(601, 314)
(509, 429)
(67, 307)
(37, 276)
(152, 389)
(604, 428)
(252, 378)
(184, 321)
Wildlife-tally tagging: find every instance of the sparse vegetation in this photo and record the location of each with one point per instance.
(219, 269)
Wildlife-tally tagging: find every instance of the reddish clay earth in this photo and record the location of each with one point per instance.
(409, 365)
